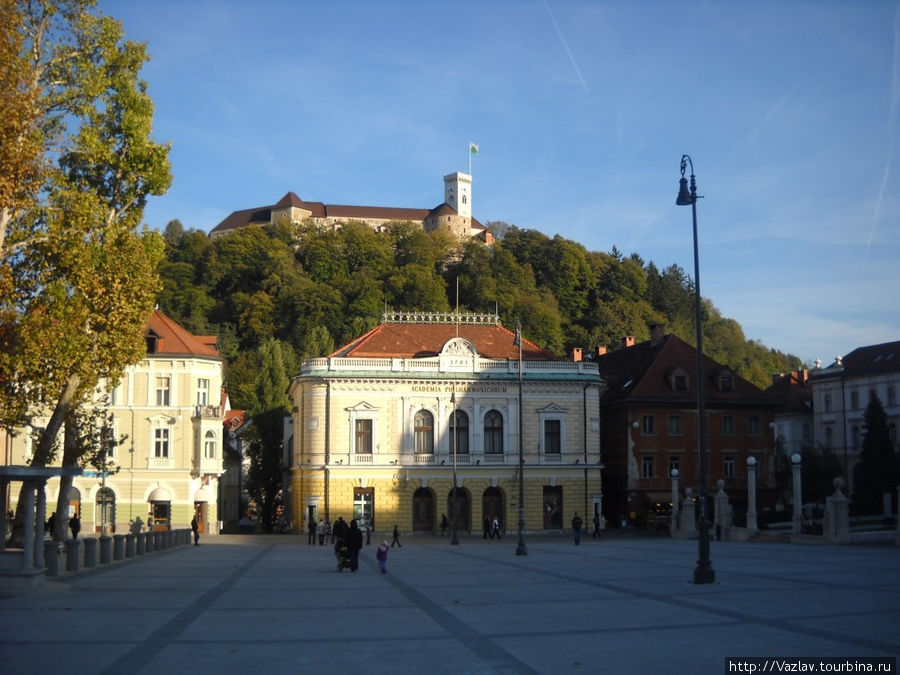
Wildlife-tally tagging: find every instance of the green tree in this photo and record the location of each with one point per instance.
(876, 472)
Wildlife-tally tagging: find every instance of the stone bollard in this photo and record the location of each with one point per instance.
(129, 546)
(837, 516)
(105, 549)
(797, 522)
(148, 542)
(722, 518)
(673, 525)
(118, 547)
(51, 557)
(752, 524)
(73, 554)
(90, 552)
(139, 543)
(170, 539)
(159, 541)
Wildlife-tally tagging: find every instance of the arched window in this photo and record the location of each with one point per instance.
(209, 445)
(460, 427)
(424, 423)
(493, 433)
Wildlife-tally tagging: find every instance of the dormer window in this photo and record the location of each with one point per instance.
(726, 382)
(678, 379)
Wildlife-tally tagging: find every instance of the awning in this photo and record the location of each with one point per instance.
(159, 495)
(201, 495)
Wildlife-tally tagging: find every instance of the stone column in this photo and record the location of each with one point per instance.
(129, 546)
(837, 517)
(27, 497)
(723, 511)
(4, 524)
(688, 522)
(149, 540)
(40, 518)
(90, 552)
(798, 494)
(105, 549)
(51, 557)
(675, 505)
(752, 527)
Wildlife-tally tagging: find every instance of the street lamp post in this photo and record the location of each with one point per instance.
(521, 549)
(703, 573)
(454, 537)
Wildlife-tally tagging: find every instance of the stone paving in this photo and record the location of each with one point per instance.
(272, 604)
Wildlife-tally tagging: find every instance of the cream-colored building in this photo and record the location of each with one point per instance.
(171, 406)
(381, 426)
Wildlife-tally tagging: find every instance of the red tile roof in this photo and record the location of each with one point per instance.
(419, 340)
(171, 338)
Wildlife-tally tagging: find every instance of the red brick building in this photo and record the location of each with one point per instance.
(649, 428)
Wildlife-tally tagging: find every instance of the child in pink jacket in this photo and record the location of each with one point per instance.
(381, 556)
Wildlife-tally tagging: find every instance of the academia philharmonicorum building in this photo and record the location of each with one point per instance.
(383, 426)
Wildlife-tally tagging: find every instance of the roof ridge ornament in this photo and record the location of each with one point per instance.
(468, 318)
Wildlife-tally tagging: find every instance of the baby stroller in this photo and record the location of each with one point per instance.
(342, 553)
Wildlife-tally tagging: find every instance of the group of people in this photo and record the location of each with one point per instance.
(324, 532)
(491, 527)
(74, 524)
(577, 522)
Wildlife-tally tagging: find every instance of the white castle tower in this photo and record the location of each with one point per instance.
(458, 193)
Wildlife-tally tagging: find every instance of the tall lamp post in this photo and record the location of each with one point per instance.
(703, 573)
(521, 549)
(454, 537)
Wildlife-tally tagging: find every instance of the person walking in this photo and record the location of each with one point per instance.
(381, 557)
(195, 528)
(354, 544)
(495, 528)
(596, 533)
(396, 539)
(311, 528)
(576, 528)
(444, 524)
(320, 532)
(75, 525)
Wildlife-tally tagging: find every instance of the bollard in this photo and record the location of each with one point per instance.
(159, 542)
(118, 547)
(90, 552)
(51, 557)
(105, 550)
(129, 546)
(139, 540)
(148, 542)
(170, 539)
(73, 554)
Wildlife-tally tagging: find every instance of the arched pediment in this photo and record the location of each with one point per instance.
(458, 346)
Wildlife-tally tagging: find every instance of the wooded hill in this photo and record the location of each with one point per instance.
(313, 289)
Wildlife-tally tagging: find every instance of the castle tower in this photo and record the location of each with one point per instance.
(458, 193)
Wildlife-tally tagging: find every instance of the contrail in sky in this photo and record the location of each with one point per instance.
(568, 51)
(891, 129)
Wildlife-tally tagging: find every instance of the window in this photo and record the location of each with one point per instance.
(460, 426)
(728, 466)
(493, 433)
(675, 427)
(827, 403)
(648, 467)
(872, 395)
(726, 382)
(727, 425)
(161, 442)
(674, 464)
(854, 440)
(209, 445)
(648, 425)
(891, 395)
(552, 437)
(854, 400)
(202, 392)
(753, 425)
(424, 429)
(363, 437)
(680, 383)
(162, 390)
(829, 438)
(109, 440)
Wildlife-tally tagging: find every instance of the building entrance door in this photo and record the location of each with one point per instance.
(492, 506)
(423, 511)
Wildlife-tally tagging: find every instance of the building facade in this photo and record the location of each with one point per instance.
(650, 429)
(384, 426)
(841, 392)
(171, 407)
(453, 215)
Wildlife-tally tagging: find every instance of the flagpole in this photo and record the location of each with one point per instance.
(470, 158)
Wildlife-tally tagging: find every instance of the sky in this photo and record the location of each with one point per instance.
(581, 112)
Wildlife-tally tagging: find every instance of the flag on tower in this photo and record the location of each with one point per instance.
(473, 148)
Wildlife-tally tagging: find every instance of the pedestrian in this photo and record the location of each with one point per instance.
(381, 557)
(354, 544)
(576, 528)
(329, 532)
(495, 528)
(486, 526)
(311, 529)
(282, 523)
(596, 533)
(444, 524)
(75, 525)
(320, 532)
(195, 528)
(50, 523)
(396, 539)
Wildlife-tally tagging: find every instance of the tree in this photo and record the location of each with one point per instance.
(876, 472)
(81, 276)
(265, 449)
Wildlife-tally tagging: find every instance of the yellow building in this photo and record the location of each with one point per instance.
(383, 425)
(171, 406)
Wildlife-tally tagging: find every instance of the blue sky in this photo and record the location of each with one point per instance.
(582, 111)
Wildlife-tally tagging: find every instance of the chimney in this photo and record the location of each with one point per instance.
(576, 354)
(601, 351)
(628, 341)
(657, 333)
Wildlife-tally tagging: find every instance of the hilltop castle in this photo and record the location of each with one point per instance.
(453, 215)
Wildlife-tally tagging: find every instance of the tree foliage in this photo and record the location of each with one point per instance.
(876, 472)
